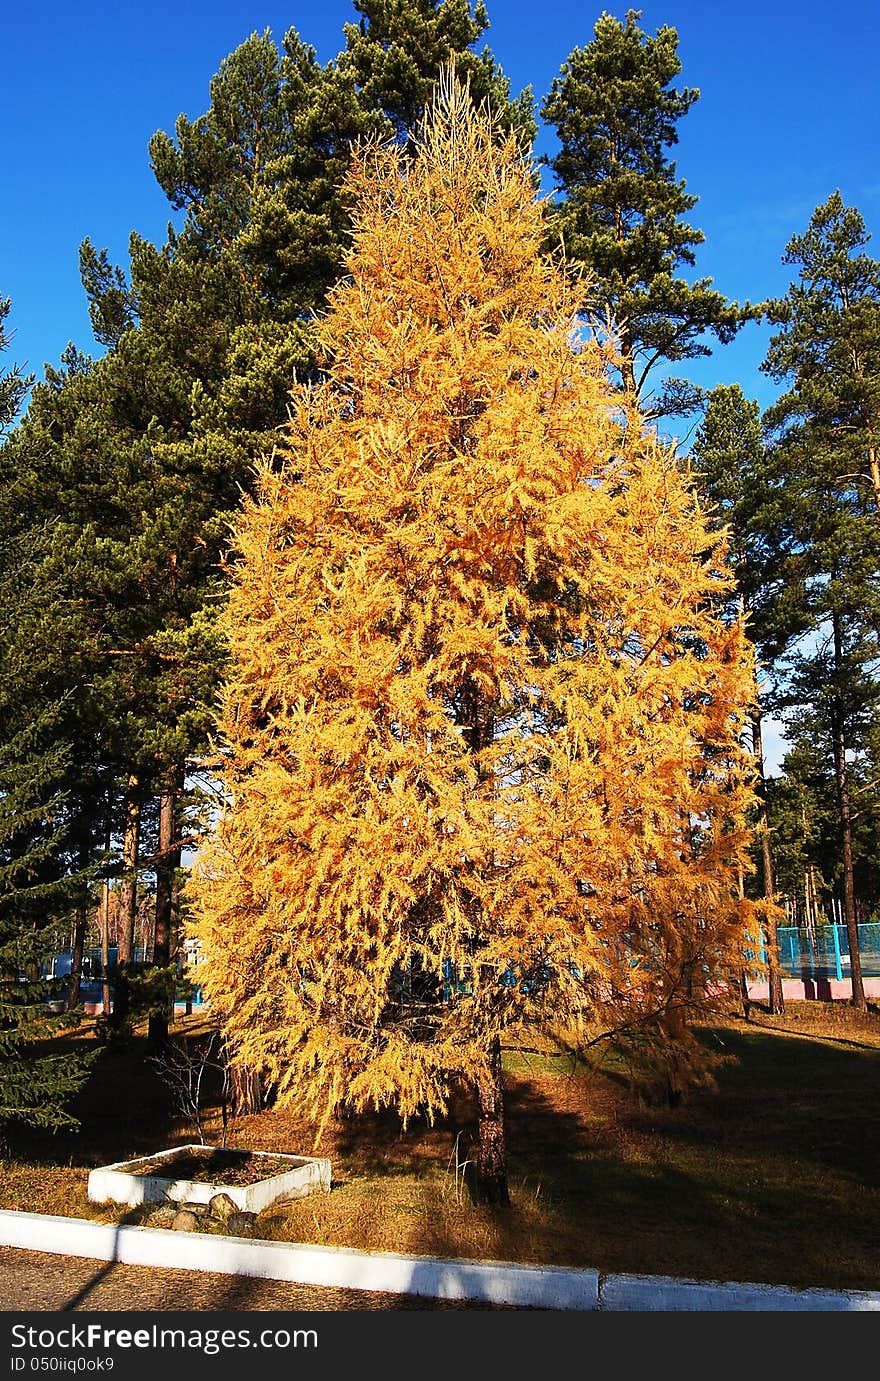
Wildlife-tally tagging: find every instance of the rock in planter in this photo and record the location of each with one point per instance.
(222, 1206)
(241, 1224)
(163, 1217)
(185, 1221)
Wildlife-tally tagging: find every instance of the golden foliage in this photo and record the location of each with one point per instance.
(482, 730)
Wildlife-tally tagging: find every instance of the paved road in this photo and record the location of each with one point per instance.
(38, 1281)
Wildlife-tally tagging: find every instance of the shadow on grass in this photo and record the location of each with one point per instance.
(771, 1178)
(800, 1097)
(123, 1109)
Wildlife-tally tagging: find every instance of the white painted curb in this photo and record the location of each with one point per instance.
(489, 1282)
(635, 1292)
(492, 1282)
(123, 1183)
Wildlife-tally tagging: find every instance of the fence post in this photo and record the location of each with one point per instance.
(837, 950)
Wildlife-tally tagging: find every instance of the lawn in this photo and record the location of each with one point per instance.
(774, 1177)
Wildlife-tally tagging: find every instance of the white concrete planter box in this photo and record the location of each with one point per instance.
(123, 1183)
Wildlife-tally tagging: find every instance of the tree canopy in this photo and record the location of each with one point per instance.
(480, 735)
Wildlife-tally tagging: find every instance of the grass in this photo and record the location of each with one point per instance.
(773, 1177)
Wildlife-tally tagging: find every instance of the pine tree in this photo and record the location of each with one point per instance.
(826, 425)
(832, 701)
(34, 824)
(803, 800)
(34, 1089)
(735, 472)
(397, 50)
(118, 576)
(481, 728)
(14, 383)
(621, 215)
(828, 348)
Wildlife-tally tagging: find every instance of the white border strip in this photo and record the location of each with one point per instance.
(489, 1282)
(635, 1292)
(492, 1282)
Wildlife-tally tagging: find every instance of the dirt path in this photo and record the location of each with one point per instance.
(42, 1281)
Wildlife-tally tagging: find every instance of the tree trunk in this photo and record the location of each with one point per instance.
(167, 863)
(627, 357)
(628, 373)
(491, 1163)
(491, 1166)
(874, 472)
(843, 805)
(127, 910)
(743, 973)
(80, 925)
(105, 946)
(673, 1025)
(105, 918)
(774, 971)
(246, 1094)
(128, 886)
(78, 950)
(852, 930)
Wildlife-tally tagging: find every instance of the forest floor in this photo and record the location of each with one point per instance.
(773, 1176)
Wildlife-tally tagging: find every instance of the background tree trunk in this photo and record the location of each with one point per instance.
(844, 807)
(77, 950)
(128, 885)
(774, 970)
(246, 1093)
(167, 863)
(127, 910)
(743, 973)
(105, 946)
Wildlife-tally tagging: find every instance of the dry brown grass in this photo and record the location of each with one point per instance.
(774, 1177)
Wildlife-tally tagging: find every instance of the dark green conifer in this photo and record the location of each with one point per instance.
(14, 383)
(622, 210)
(825, 426)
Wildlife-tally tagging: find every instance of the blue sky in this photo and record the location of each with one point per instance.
(788, 112)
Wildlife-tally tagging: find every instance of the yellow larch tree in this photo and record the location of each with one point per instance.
(480, 740)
